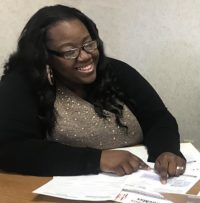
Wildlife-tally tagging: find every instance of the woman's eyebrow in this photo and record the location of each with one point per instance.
(86, 38)
(73, 44)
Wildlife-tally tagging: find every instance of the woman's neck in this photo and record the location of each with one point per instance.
(78, 89)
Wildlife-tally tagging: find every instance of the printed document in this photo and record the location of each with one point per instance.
(89, 188)
(110, 187)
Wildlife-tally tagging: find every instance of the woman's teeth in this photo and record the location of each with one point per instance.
(87, 68)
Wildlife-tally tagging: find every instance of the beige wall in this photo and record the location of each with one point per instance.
(160, 38)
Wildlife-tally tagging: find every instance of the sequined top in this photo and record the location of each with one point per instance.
(79, 125)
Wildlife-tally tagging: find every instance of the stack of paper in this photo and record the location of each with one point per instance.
(141, 186)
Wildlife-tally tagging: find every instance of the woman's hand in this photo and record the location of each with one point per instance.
(120, 162)
(168, 165)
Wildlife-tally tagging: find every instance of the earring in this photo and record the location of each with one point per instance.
(50, 75)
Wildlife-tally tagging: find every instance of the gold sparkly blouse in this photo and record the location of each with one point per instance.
(79, 125)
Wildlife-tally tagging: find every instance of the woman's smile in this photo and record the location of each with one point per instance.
(86, 69)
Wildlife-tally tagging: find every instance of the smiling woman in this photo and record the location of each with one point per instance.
(64, 105)
(74, 66)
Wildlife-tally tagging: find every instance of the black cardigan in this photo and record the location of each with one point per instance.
(23, 148)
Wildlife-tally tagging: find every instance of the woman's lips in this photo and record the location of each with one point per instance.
(86, 69)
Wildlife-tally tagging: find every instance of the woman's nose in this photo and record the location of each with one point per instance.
(83, 55)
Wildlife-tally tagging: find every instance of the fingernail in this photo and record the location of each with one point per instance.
(163, 181)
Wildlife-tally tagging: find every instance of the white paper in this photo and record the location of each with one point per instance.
(150, 181)
(192, 156)
(135, 197)
(89, 188)
(106, 187)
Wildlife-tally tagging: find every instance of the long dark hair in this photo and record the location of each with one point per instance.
(31, 59)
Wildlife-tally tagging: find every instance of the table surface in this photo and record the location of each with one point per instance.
(18, 189)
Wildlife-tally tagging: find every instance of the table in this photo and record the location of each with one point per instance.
(18, 189)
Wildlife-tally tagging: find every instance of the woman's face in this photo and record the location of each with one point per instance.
(67, 35)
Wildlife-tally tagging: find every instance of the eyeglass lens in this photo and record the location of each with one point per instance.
(88, 47)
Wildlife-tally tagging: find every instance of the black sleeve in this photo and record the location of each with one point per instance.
(160, 129)
(23, 148)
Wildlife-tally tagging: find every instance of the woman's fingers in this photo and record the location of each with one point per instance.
(123, 162)
(162, 170)
(120, 162)
(169, 165)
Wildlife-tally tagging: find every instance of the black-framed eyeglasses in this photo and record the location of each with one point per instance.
(89, 47)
